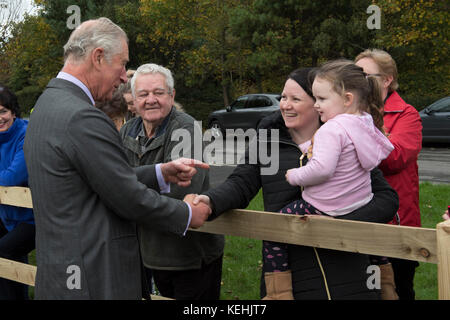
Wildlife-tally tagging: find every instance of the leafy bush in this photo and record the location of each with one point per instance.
(27, 98)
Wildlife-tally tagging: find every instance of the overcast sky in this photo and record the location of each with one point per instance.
(25, 6)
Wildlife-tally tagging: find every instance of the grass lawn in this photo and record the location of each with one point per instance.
(242, 258)
(434, 200)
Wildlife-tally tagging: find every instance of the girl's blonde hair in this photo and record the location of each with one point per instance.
(346, 76)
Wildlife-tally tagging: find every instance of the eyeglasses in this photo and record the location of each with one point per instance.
(375, 75)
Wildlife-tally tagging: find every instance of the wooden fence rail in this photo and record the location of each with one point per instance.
(419, 244)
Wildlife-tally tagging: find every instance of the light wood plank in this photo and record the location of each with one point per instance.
(353, 236)
(155, 297)
(443, 246)
(17, 271)
(16, 196)
(420, 244)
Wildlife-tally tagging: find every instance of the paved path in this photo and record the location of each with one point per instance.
(434, 164)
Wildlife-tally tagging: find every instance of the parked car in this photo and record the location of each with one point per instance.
(436, 121)
(245, 112)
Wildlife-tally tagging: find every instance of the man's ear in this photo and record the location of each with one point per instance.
(97, 57)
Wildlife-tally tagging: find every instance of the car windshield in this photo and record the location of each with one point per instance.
(442, 105)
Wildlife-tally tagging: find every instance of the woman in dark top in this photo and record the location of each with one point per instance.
(316, 273)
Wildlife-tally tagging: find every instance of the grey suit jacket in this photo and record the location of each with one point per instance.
(87, 199)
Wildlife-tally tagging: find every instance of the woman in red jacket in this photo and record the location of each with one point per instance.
(404, 128)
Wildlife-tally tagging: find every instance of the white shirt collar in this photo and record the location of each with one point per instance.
(77, 82)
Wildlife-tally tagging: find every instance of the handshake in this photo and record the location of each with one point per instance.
(201, 209)
(181, 171)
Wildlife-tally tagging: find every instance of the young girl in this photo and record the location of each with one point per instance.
(350, 143)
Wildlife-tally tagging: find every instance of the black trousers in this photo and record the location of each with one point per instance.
(15, 245)
(404, 271)
(198, 284)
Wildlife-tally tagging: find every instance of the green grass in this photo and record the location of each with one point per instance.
(242, 264)
(434, 200)
(242, 258)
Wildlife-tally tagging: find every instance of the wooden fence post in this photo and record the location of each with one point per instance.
(443, 253)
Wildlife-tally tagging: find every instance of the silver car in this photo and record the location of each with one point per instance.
(245, 112)
(436, 121)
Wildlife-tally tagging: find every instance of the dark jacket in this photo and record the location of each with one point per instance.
(87, 200)
(163, 250)
(345, 272)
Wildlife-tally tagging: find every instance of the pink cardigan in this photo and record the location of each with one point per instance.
(346, 148)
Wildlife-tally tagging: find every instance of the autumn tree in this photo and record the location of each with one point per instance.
(416, 34)
(215, 53)
(31, 58)
(280, 36)
(191, 38)
(11, 11)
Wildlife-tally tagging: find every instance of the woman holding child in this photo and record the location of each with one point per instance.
(311, 273)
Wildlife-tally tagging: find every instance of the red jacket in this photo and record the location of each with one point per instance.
(404, 126)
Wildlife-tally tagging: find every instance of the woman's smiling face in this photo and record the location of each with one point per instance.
(297, 107)
(6, 119)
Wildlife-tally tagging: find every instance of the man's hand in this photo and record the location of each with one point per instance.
(200, 211)
(202, 198)
(181, 171)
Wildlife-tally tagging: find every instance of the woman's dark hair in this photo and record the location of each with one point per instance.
(304, 77)
(116, 107)
(9, 100)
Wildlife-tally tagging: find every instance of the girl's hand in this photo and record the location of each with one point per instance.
(287, 175)
(446, 215)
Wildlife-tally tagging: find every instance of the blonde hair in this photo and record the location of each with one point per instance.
(385, 63)
(345, 75)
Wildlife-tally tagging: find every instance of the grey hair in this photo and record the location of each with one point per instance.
(91, 34)
(151, 68)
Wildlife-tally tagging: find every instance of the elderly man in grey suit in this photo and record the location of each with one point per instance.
(86, 197)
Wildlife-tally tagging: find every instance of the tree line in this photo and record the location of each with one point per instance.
(220, 49)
